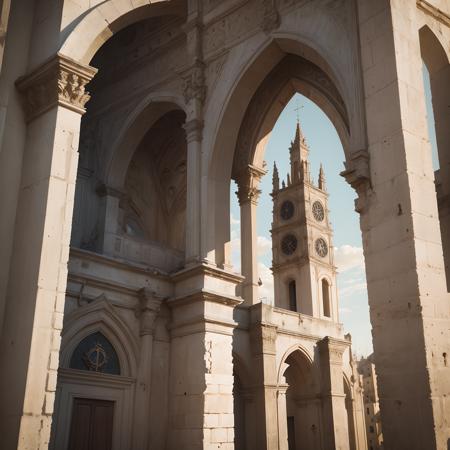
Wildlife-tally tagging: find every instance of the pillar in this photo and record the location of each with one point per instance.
(193, 137)
(408, 299)
(146, 312)
(282, 418)
(248, 194)
(335, 427)
(54, 98)
(201, 380)
(263, 336)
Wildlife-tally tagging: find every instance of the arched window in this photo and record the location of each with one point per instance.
(96, 354)
(326, 298)
(292, 296)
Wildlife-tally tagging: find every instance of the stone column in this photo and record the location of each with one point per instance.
(146, 311)
(409, 302)
(54, 97)
(335, 432)
(263, 337)
(248, 194)
(194, 147)
(282, 418)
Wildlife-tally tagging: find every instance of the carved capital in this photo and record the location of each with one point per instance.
(248, 182)
(147, 310)
(332, 349)
(59, 81)
(357, 174)
(194, 130)
(194, 84)
(271, 17)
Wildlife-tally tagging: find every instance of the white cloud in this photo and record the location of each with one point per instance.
(264, 245)
(353, 289)
(266, 289)
(348, 257)
(233, 221)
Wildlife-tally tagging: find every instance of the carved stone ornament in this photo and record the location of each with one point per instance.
(194, 129)
(194, 85)
(357, 174)
(59, 81)
(271, 17)
(147, 310)
(332, 349)
(248, 182)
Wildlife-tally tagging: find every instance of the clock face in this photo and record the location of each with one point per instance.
(287, 210)
(321, 247)
(289, 244)
(318, 211)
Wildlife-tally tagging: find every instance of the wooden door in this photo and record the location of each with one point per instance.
(92, 424)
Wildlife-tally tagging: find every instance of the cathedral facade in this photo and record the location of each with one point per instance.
(123, 324)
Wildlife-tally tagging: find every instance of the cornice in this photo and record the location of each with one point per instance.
(434, 12)
(60, 81)
(205, 269)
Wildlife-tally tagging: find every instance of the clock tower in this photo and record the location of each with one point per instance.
(302, 261)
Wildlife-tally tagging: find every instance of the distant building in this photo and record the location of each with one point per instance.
(366, 368)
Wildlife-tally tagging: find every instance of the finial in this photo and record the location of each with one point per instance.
(322, 184)
(275, 178)
(288, 180)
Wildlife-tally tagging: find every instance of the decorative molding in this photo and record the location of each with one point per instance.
(357, 174)
(434, 12)
(147, 310)
(59, 81)
(194, 85)
(248, 182)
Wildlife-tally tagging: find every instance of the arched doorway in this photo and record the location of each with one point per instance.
(302, 404)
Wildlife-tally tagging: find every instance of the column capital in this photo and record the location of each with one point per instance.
(147, 310)
(59, 81)
(333, 349)
(357, 174)
(248, 181)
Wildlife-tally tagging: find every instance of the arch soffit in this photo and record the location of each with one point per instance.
(302, 351)
(292, 73)
(99, 316)
(88, 32)
(136, 125)
(434, 53)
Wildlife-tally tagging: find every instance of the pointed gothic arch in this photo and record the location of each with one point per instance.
(84, 36)
(99, 316)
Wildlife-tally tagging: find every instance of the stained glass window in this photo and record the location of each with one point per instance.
(96, 354)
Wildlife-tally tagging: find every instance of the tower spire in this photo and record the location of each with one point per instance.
(298, 153)
(275, 178)
(322, 184)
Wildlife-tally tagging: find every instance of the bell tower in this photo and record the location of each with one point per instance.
(303, 257)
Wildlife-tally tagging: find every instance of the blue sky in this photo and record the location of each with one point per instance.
(325, 147)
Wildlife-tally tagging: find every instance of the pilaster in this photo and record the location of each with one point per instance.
(263, 336)
(146, 312)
